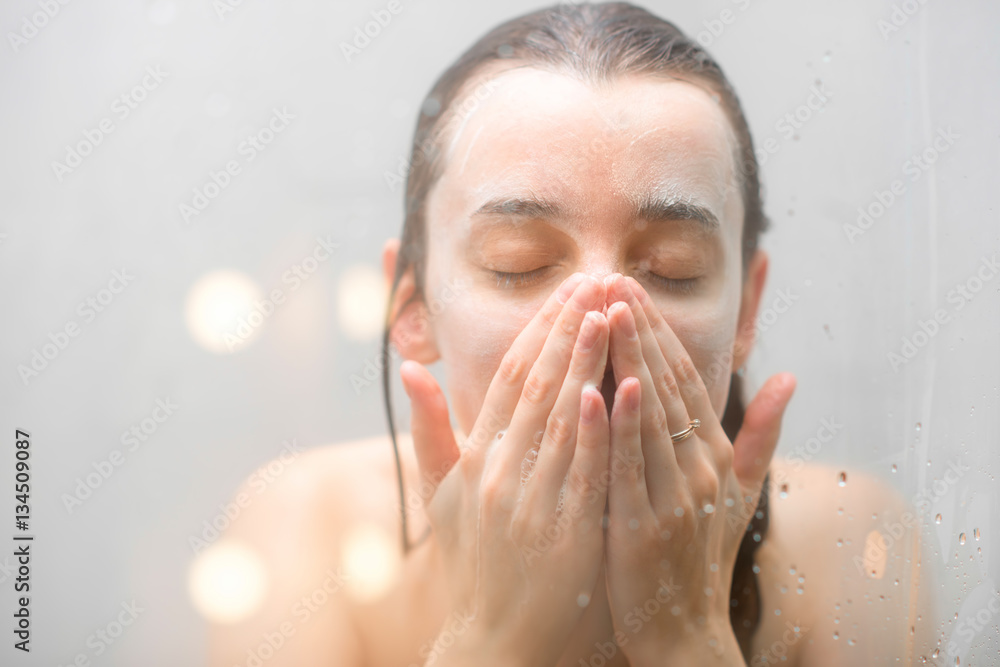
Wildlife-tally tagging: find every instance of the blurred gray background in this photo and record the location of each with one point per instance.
(183, 84)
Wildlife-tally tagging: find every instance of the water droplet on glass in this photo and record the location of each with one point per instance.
(826, 57)
(937, 519)
(791, 570)
(936, 653)
(975, 533)
(840, 542)
(730, 502)
(918, 427)
(843, 479)
(894, 467)
(709, 508)
(850, 642)
(784, 491)
(961, 538)
(583, 599)
(800, 590)
(836, 635)
(633, 524)
(678, 511)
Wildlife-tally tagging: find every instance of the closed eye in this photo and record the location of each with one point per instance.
(510, 280)
(504, 278)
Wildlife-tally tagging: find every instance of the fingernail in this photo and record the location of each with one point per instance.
(588, 409)
(583, 297)
(588, 332)
(568, 286)
(633, 397)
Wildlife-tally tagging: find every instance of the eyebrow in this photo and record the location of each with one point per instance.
(652, 207)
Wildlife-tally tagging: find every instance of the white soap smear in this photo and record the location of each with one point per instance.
(562, 497)
(528, 465)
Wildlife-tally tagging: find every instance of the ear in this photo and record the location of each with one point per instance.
(410, 327)
(753, 288)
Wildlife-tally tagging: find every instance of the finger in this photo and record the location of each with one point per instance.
(433, 438)
(663, 380)
(543, 384)
(758, 437)
(689, 391)
(587, 481)
(508, 381)
(662, 462)
(689, 381)
(628, 498)
(555, 452)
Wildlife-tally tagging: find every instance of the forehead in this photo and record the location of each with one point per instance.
(545, 133)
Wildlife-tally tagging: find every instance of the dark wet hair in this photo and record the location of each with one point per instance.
(596, 43)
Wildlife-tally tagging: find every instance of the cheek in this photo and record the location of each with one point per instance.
(473, 335)
(708, 334)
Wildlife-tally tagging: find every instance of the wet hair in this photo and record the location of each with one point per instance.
(596, 43)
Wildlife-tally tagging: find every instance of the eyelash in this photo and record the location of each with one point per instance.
(679, 285)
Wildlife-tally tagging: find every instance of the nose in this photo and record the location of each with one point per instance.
(608, 279)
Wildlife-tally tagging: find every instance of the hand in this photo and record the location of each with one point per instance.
(519, 548)
(678, 513)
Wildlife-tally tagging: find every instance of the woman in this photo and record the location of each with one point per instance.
(580, 251)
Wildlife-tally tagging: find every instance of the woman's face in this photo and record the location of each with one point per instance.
(548, 176)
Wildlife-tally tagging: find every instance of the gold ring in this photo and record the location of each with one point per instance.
(686, 433)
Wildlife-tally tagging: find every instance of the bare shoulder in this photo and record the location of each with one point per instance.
(293, 525)
(843, 550)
